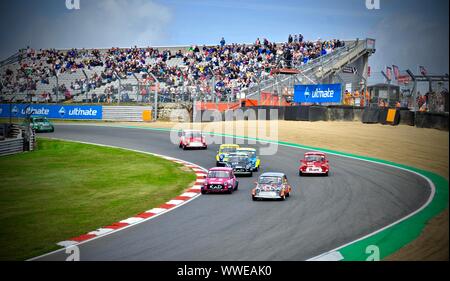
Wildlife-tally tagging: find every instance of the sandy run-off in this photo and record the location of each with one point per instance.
(422, 148)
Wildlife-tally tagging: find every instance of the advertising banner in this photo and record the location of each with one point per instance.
(71, 112)
(322, 93)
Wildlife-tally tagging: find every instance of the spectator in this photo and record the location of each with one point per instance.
(235, 67)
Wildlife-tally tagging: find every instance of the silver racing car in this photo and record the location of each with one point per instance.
(272, 186)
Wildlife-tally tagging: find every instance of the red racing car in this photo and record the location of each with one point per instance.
(315, 163)
(192, 139)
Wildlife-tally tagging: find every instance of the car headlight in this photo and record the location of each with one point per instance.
(257, 191)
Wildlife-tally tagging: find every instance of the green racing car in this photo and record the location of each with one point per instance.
(40, 124)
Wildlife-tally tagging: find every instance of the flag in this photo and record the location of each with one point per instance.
(389, 73)
(423, 71)
(368, 71)
(396, 71)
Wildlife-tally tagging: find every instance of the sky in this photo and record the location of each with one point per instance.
(408, 32)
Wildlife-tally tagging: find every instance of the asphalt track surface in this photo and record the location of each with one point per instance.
(322, 213)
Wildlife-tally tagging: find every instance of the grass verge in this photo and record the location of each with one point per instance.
(66, 189)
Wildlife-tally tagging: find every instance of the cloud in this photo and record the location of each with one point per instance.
(411, 39)
(98, 24)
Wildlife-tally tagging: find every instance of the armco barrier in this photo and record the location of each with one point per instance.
(11, 146)
(370, 116)
(318, 113)
(432, 120)
(125, 113)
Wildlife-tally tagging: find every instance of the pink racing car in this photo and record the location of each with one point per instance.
(315, 163)
(220, 180)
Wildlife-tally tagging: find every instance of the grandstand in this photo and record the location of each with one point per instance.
(208, 73)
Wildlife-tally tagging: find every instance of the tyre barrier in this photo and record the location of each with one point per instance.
(343, 113)
(432, 120)
(407, 117)
(383, 113)
(296, 113)
(357, 114)
(318, 113)
(290, 113)
(336, 114)
(280, 112)
(371, 116)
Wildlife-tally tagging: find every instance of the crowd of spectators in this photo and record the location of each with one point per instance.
(433, 101)
(221, 71)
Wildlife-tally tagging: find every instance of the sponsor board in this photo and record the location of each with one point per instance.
(73, 112)
(322, 93)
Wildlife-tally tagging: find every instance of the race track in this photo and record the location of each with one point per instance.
(322, 213)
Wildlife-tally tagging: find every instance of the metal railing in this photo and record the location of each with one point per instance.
(305, 70)
(314, 71)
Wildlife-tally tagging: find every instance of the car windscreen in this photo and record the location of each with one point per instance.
(250, 154)
(314, 158)
(194, 135)
(218, 174)
(40, 120)
(237, 159)
(269, 180)
(228, 150)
